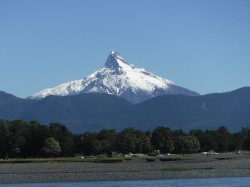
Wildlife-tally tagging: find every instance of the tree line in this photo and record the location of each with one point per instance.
(32, 139)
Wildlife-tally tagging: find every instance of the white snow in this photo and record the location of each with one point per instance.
(116, 77)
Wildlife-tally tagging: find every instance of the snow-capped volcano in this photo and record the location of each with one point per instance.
(119, 78)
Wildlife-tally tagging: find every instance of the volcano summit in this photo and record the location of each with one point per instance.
(121, 79)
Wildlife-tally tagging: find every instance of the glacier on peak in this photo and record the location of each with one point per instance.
(118, 78)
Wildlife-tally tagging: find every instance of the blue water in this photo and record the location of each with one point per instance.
(214, 182)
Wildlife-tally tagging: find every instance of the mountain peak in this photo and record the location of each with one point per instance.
(119, 78)
(114, 60)
(114, 53)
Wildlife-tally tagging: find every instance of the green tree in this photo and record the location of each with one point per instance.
(127, 140)
(4, 136)
(51, 147)
(186, 144)
(238, 139)
(220, 140)
(18, 130)
(143, 144)
(35, 139)
(246, 144)
(89, 143)
(207, 139)
(107, 140)
(63, 136)
(222, 137)
(163, 140)
(135, 141)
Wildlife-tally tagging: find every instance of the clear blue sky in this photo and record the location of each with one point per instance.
(203, 45)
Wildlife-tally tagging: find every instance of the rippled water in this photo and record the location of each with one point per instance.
(214, 182)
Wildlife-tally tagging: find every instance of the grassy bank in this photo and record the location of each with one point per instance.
(65, 160)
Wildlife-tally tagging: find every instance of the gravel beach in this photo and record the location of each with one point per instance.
(193, 166)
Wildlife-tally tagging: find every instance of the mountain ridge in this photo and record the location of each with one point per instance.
(95, 111)
(118, 78)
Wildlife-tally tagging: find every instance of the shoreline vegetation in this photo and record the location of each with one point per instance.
(32, 152)
(19, 139)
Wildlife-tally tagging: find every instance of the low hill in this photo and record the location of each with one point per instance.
(92, 112)
(79, 112)
(12, 107)
(231, 109)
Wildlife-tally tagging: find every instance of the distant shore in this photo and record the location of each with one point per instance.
(191, 166)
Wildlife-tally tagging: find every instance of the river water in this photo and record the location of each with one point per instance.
(210, 182)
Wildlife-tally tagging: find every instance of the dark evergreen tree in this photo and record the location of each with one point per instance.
(246, 144)
(63, 136)
(4, 137)
(163, 140)
(186, 144)
(35, 139)
(89, 144)
(237, 140)
(108, 139)
(143, 143)
(222, 137)
(127, 140)
(18, 135)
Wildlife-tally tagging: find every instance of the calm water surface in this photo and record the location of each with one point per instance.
(215, 182)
